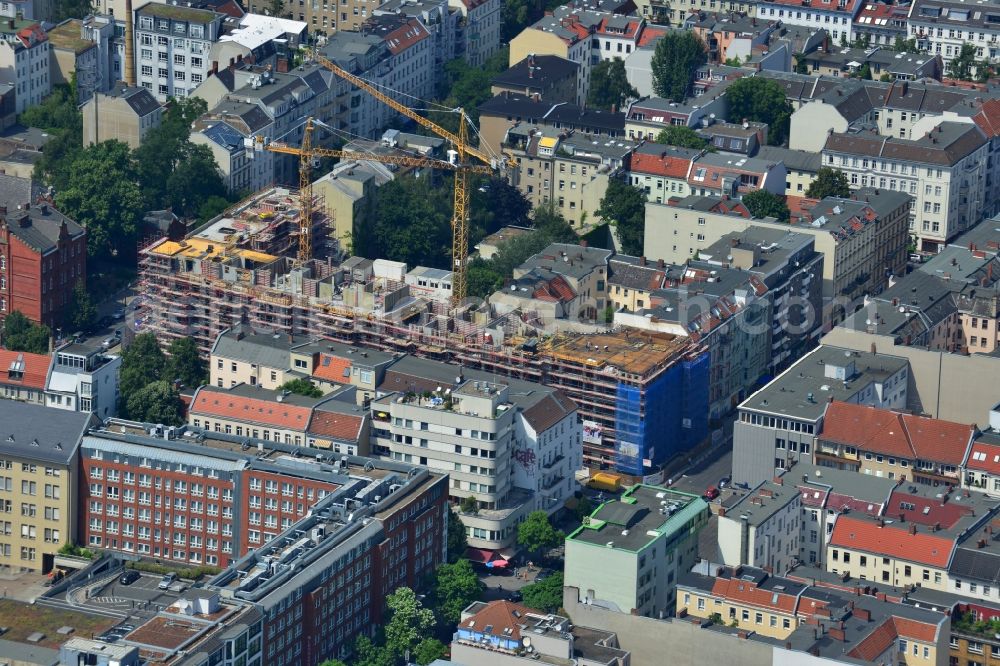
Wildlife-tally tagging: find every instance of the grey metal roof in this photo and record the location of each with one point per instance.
(568, 259)
(41, 433)
(794, 160)
(264, 349)
(546, 70)
(788, 395)
(22, 653)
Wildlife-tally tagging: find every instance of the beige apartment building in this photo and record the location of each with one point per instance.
(862, 240)
(571, 171)
(38, 483)
(123, 113)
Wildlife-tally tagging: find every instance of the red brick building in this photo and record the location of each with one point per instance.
(43, 254)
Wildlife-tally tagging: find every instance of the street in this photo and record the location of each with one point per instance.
(707, 472)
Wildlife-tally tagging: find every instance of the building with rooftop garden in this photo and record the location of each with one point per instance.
(629, 552)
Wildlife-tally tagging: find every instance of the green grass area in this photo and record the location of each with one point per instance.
(25, 619)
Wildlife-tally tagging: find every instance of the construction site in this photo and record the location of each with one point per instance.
(240, 269)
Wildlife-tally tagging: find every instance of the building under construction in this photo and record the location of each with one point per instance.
(643, 396)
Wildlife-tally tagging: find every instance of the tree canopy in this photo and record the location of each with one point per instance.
(682, 137)
(829, 182)
(537, 534)
(102, 194)
(156, 402)
(409, 622)
(545, 595)
(457, 540)
(185, 364)
(762, 203)
(455, 587)
(411, 222)
(677, 57)
(624, 207)
(82, 312)
(20, 334)
(301, 386)
(962, 66)
(609, 85)
(763, 101)
(143, 362)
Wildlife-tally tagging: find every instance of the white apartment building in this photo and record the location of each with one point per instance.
(83, 378)
(24, 64)
(944, 171)
(761, 527)
(482, 28)
(172, 43)
(834, 16)
(513, 446)
(941, 27)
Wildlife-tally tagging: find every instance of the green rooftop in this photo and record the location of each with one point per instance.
(67, 36)
(9, 26)
(178, 13)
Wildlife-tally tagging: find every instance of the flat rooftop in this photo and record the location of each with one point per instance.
(642, 515)
(631, 352)
(803, 390)
(200, 248)
(760, 503)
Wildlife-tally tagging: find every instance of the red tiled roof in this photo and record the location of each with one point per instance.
(927, 510)
(555, 290)
(222, 405)
(668, 166)
(735, 589)
(36, 367)
(649, 34)
(880, 10)
(890, 541)
(895, 434)
(988, 118)
(629, 33)
(918, 631)
(338, 426)
(499, 615)
(984, 457)
(403, 38)
(332, 369)
(876, 643)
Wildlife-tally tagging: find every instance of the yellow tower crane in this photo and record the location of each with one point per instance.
(458, 161)
(306, 152)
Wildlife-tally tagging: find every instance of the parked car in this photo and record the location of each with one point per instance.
(129, 577)
(112, 341)
(167, 581)
(724, 482)
(711, 493)
(119, 313)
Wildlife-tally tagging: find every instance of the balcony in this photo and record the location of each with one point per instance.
(552, 463)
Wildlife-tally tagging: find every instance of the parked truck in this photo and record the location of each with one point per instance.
(605, 481)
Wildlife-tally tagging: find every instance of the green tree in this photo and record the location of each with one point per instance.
(455, 587)
(156, 402)
(71, 9)
(801, 64)
(761, 100)
(428, 650)
(469, 504)
(212, 206)
(411, 222)
(467, 87)
(457, 539)
(609, 86)
(961, 67)
(583, 508)
(624, 207)
(82, 312)
(369, 653)
(276, 8)
(194, 181)
(482, 278)
(496, 204)
(553, 226)
(301, 386)
(516, 15)
(102, 195)
(762, 203)
(142, 362)
(537, 534)
(545, 595)
(59, 115)
(185, 364)
(829, 182)
(865, 72)
(677, 57)
(682, 137)
(20, 334)
(409, 622)
(333, 662)
(905, 45)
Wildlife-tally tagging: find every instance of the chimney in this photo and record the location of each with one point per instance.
(129, 45)
(837, 634)
(642, 261)
(862, 614)
(583, 244)
(913, 529)
(660, 264)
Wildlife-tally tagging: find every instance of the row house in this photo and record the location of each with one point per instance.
(24, 64)
(731, 36)
(661, 171)
(644, 119)
(42, 255)
(172, 44)
(83, 377)
(892, 444)
(482, 23)
(659, 12)
(442, 21)
(22, 376)
(719, 174)
(761, 527)
(568, 170)
(942, 27)
(835, 16)
(944, 171)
